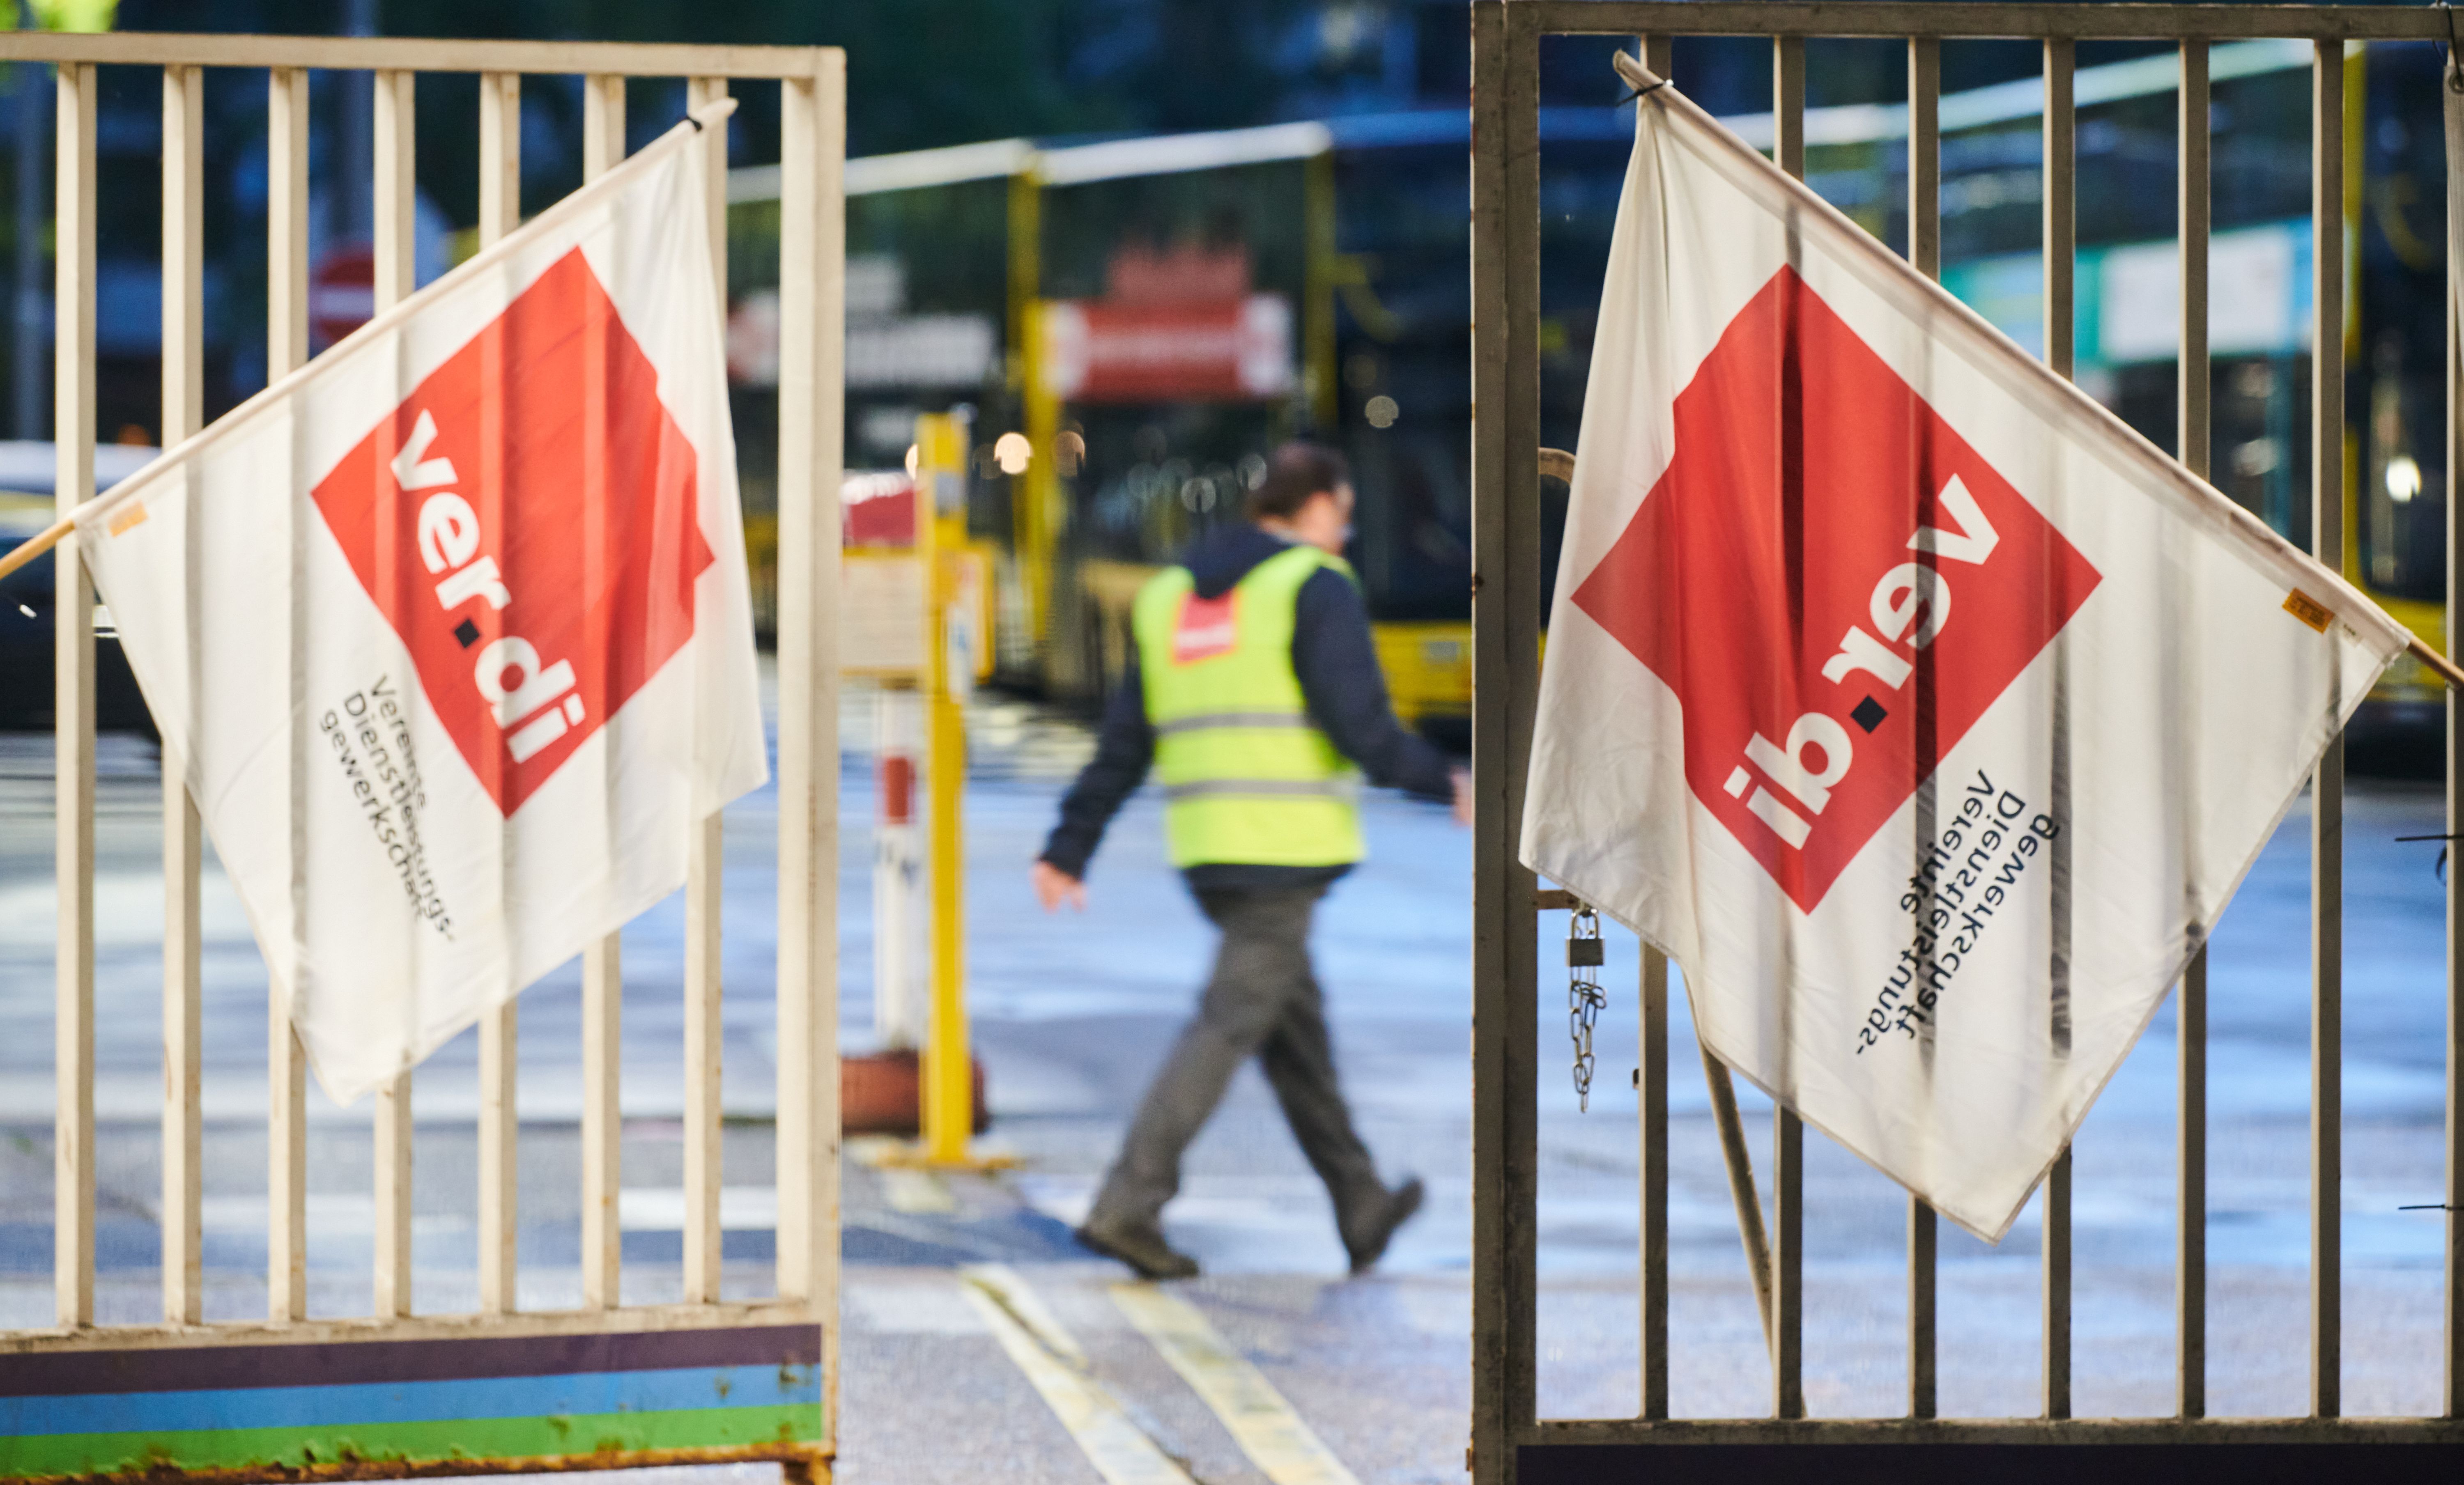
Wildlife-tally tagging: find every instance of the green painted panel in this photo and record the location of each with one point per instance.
(471, 1438)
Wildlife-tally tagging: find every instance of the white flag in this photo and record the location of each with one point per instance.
(451, 629)
(1920, 711)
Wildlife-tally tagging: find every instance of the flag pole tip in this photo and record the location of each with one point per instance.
(710, 112)
(2445, 670)
(1640, 78)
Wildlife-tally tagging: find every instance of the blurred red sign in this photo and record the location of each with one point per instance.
(877, 511)
(342, 293)
(1224, 350)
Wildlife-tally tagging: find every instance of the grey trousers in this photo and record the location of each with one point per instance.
(1263, 1001)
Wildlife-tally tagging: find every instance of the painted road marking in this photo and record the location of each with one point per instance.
(1265, 1426)
(1010, 1288)
(1120, 1452)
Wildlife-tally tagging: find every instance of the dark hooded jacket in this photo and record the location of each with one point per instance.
(1340, 681)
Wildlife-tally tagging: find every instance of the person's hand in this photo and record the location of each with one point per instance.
(1054, 886)
(1462, 796)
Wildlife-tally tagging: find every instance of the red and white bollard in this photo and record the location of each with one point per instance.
(897, 867)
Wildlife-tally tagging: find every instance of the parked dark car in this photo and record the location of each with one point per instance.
(26, 599)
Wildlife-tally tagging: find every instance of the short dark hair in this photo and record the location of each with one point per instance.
(1294, 472)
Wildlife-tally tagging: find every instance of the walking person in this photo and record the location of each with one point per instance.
(1254, 690)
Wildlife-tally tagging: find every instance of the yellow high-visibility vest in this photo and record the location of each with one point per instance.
(1247, 776)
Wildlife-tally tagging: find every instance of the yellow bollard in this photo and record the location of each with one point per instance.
(940, 536)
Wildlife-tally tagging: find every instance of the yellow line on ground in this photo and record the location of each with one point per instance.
(1265, 1426)
(1119, 1451)
(1009, 1288)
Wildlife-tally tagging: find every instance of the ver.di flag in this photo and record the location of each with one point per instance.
(451, 629)
(1922, 713)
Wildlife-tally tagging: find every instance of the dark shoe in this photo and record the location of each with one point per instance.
(1398, 1209)
(1141, 1248)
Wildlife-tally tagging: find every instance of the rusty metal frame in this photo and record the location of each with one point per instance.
(1508, 602)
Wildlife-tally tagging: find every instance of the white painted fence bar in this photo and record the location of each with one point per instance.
(813, 83)
(73, 704)
(603, 964)
(2190, 1001)
(286, 350)
(395, 178)
(702, 895)
(500, 211)
(812, 233)
(2327, 789)
(1507, 605)
(183, 218)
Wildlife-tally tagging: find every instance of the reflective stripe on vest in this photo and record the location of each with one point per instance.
(1205, 720)
(1247, 776)
(1261, 788)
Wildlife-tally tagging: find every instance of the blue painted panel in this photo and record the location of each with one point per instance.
(411, 1402)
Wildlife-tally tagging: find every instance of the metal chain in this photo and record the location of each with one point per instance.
(1585, 953)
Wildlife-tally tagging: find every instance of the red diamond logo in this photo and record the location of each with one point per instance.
(1832, 580)
(526, 520)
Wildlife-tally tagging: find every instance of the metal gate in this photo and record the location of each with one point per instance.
(396, 1393)
(1511, 1441)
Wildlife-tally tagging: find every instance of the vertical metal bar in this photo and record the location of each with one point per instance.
(1924, 155)
(1651, 1078)
(2327, 788)
(2061, 190)
(2191, 1003)
(1786, 1318)
(1925, 253)
(812, 246)
(1788, 1265)
(1505, 606)
(603, 975)
(703, 1025)
(1788, 104)
(183, 178)
(500, 211)
(286, 349)
(396, 263)
(73, 702)
(1514, 564)
(1651, 1097)
(2452, 1381)
(1924, 1248)
(2061, 240)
